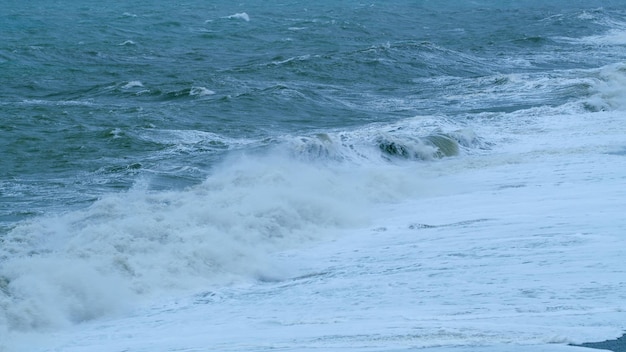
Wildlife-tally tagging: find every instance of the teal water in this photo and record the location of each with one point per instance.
(96, 95)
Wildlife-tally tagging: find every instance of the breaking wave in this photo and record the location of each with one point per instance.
(83, 264)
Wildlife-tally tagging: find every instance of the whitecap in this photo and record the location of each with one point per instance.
(298, 58)
(242, 16)
(613, 37)
(116, 133)
(132, 84)
(127, 42)
(609, 89)
(58, 103)
(200, 91)
(586, 16)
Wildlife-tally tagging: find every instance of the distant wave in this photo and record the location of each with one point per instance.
(59, 102)
(132, 84)
(200, 91)
(241, 16)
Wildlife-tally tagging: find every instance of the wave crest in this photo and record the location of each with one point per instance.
(609, 89)
(408, 140)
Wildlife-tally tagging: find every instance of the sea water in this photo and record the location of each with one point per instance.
(245, 176)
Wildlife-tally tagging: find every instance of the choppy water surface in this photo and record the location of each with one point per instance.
(95, 96)
(161, 146)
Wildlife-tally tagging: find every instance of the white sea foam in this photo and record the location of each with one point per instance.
(613, 37)
(189, 137)
(240, 16)
(610, 88)
(200, 91)
(136, 246)
(132, 84)
(520, 249)
(140, 243)
(143, 243)
(418, 138)
(59, 103)
(586, 15)
(298, 58)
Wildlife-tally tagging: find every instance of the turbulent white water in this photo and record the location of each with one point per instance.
(317, 181)
(521, 245)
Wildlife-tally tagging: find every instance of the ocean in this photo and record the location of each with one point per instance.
(295, 175)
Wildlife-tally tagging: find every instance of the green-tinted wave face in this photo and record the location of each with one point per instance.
(446, 146)
(424, 148)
